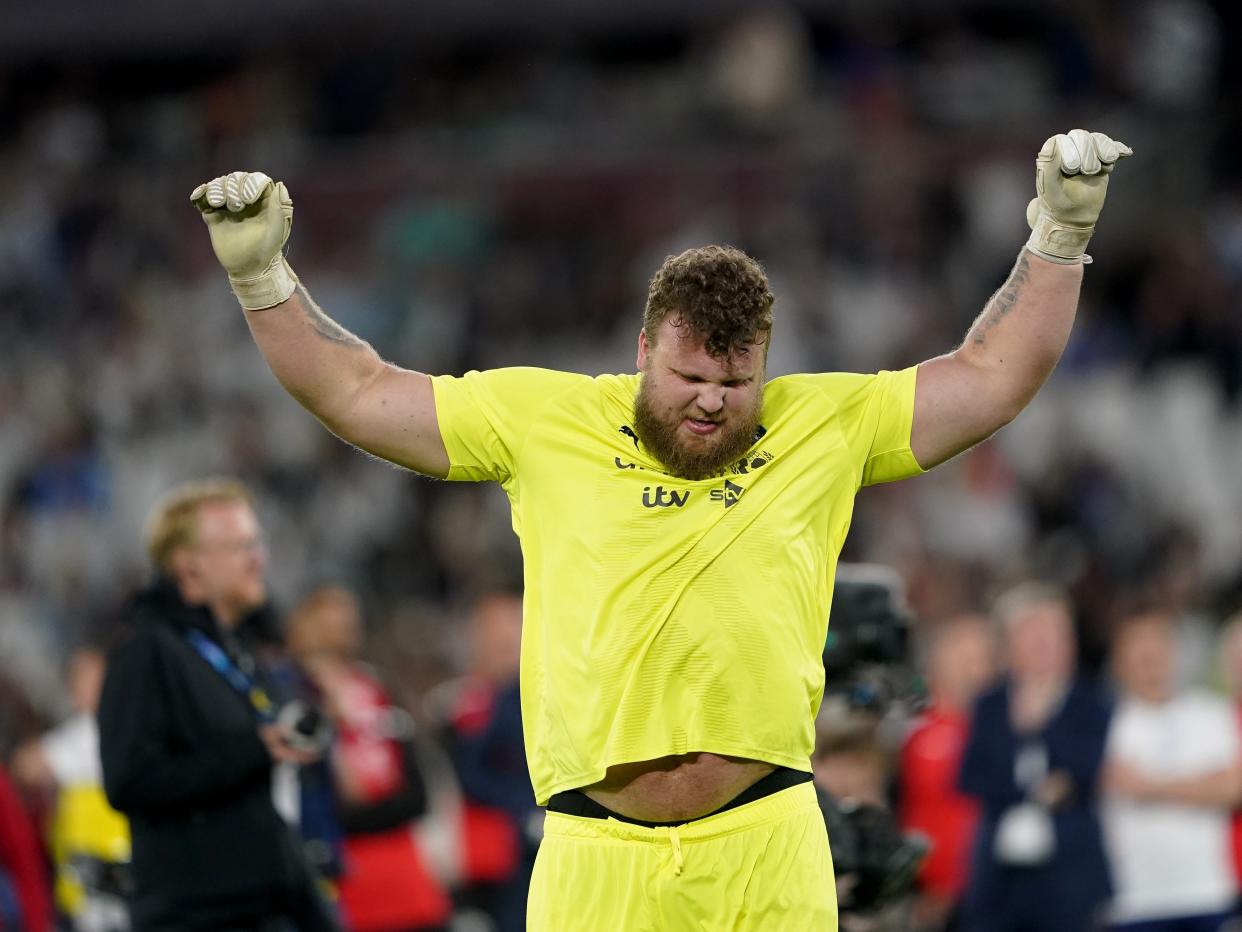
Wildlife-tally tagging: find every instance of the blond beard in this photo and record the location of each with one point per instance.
(660, 437)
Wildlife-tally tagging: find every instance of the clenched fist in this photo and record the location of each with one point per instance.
(1071, 179)
(249, 217)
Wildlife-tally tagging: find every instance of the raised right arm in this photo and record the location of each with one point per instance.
(388, 411)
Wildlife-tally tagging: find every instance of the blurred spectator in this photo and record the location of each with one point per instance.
(850, 763)
(1171, 777)
(854, 769)
(501, 824)
(960, 662)
(1032, 760)
(25, 905)
(386, 885)
(187, 735)
(90, 842)
(1229, 654)
(304, 793)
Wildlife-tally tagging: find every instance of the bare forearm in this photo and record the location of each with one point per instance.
(1024, 327)
(379, 407)
(318, 361)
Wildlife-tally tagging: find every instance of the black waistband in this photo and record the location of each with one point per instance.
(577, 803)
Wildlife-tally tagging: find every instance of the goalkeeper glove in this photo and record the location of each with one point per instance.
(249, 217)
(1071, 179)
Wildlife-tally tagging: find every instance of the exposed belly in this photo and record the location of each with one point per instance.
(677, 788)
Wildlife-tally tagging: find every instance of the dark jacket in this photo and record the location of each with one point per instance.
(1064, 894)
(182, 758)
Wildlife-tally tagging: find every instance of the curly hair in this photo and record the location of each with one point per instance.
(716, 291)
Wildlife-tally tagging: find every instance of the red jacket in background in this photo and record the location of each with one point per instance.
(931, 804)
(386, 883)
(22, 859)
(491, 848)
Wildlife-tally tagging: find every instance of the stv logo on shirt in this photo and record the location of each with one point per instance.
(731, 494)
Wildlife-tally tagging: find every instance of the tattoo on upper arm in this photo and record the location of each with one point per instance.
(325, 326)
(1003, 301)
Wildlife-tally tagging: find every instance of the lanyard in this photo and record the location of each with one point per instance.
(245, 685)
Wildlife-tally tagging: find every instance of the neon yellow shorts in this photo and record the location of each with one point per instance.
(762, 866)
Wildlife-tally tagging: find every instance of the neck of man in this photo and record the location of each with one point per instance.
(227, 614)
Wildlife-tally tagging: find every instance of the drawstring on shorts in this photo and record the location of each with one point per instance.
(675, 841)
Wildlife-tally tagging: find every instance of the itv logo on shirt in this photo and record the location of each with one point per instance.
(660, 497)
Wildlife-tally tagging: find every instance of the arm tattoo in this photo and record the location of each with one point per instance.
(325, 326)
(1003, 301)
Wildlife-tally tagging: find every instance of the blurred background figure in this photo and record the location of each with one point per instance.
(851, 762)
(852, 767)
(501, 825)
(959, 663)
(1229, 669)
(189, 733)
(25, 900)
(874, 864)
(1032, 760)
(385, 885)
(1172, 776)
(88, 839)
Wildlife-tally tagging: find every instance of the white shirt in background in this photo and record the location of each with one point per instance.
(72, 751)
(1169, 859)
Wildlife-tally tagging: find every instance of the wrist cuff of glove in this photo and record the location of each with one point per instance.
(267, 289)
(1058, 242)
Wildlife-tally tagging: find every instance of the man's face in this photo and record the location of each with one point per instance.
(962, 662)
(695, 413)
(1144, 660)
(1041, 644)
(225, 564)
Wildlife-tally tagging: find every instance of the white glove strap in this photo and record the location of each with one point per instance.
(267, 289)
(1059, 243)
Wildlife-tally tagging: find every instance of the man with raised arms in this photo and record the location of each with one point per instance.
(680, 528)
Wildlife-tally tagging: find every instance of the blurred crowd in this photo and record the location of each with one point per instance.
(487, 202)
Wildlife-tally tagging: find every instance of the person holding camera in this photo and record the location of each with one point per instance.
(188, 735)
(376, 778)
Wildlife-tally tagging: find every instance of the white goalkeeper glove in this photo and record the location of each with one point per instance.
(249, 217)
(1071, 179)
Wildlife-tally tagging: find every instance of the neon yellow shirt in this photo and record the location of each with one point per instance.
(664, 616)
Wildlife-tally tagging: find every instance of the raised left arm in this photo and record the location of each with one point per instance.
(967, 395)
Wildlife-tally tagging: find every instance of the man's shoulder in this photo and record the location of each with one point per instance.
(584, 398)
(141, 640)
(156, 620)
(836, 388)
(625, 383)
(510, 376)
(531, 388)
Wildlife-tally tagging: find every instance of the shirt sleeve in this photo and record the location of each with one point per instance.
(484, 417)
(875, 413)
